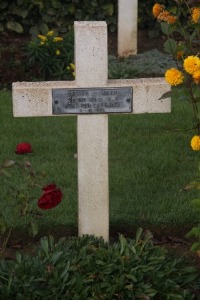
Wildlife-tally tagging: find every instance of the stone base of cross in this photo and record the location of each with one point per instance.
(89, 97)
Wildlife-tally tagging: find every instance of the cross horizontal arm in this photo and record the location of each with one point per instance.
(34, 99)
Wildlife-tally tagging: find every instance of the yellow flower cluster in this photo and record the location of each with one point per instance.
(195, 14)
(50, 33)
(174, 77)
(163, 15)
(44, 38)
(195, 143)
(192, 66)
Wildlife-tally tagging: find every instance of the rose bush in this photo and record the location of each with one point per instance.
(26, 192)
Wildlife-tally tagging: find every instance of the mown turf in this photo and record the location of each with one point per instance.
(150, 161)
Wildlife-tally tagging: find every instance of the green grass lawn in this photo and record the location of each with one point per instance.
(150, 161)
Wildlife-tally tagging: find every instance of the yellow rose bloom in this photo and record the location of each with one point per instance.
(191, 64)
(196, 76)
(57, 52)
(174, 76)
(42, 37)
(195, 14)
(157, 9)
(50, 33)
(195, 143)
(58, 39)
(74, 74)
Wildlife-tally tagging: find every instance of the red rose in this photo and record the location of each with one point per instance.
(23, 148)
(51, 197)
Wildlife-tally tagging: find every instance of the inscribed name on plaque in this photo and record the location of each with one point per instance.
(92, 100)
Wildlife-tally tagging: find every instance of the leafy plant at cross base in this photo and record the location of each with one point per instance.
(87, 268)
(25, 193)
(183, 43)
(49, 56)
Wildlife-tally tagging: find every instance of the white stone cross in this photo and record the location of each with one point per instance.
(127, 27)
(33, 99)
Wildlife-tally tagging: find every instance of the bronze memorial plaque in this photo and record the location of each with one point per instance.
(92, 100)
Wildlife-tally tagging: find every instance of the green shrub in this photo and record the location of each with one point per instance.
(88, 268)
(49, 56)
(35, 16)
(148, 64)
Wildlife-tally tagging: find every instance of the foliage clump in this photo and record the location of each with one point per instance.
(89, 268)
(149, 64)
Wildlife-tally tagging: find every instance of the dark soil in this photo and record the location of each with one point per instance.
(172, 238)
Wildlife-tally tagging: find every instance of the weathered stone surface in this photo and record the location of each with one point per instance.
(127, 27)
(35, 99)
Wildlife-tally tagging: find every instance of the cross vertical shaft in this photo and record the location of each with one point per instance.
(91, 60)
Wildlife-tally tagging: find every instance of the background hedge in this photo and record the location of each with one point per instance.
(33, 16)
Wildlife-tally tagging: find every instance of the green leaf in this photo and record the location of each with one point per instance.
(109, 9)
(170, 46)
(18, 257)
(123, 243)
(14, 26)
(138, 235)
(196, 203)
(166, 95)
(132, 277)
(165, 28)
(43, 28)
(34, 228)
(195, 247)
(45, 245)
(56, 256)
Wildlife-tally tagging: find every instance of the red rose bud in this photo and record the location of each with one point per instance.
(50, 199)
(23, 148)
(49, 188)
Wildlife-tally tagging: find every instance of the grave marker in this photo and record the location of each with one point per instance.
(127, 27)
(39, 99)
